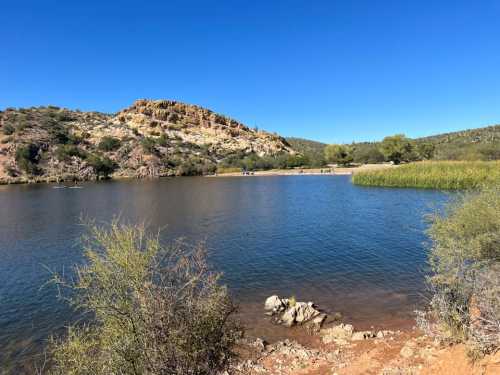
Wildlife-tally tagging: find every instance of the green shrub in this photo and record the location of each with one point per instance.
(154, 310)
(340, 154)
(108, 144)
(465, 263)
(195, 167)
(425, 150)
(162, 140)
(27, 157)
(252, 162)
(148, 145)
(8, 129)
(103, 166)
(65, 152)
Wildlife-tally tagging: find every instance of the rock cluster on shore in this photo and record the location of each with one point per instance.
(342, 350)
(288, 312)
(343, 333)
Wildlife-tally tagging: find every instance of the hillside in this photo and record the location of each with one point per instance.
(312, 150)
(148, 139)
(472, 144)
(481, 143)
(489, 134)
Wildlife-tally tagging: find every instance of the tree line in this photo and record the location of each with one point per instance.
(396, 149)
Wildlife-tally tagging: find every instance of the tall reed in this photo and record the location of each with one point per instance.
(433, 175)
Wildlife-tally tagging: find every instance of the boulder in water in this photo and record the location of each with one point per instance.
(289, 312)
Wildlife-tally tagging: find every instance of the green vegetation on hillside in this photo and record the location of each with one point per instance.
(109, 144)
(27, 157)
(312, 151)
(473, 144)
(151, 310)
(434, 175)
(465, 264)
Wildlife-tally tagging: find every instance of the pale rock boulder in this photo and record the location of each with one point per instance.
(289, 314)
(289, 317)
(339, 334)
(273, 303)
(305, 312)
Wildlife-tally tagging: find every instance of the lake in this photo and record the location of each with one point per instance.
(355, 250)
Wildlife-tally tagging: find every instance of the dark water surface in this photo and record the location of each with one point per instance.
(350, 249)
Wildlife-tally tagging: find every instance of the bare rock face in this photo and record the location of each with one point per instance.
(199, 126)
(151, 138)
(290, 313)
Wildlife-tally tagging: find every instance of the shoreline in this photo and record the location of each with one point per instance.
(327, 171)
(332, 171)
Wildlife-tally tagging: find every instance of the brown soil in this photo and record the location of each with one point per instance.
(421, 355)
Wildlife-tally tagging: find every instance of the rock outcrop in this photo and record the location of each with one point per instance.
(151, 138)
(342, 334)
(289, 312)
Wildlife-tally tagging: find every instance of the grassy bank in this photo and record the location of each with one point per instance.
(433, 175)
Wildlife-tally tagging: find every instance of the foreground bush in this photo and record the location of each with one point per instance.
(433, 175)
(465, 261)
(155, 310)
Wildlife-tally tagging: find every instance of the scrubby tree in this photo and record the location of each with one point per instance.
(103, 166)
(8, 129)
(425, 150)
(153, 309)
(367, 153)
(465, 260)
(340, 154)
(396, 148)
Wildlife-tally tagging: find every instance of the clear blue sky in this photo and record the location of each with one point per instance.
(333, 71)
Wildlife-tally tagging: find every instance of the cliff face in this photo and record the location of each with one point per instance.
(148, 139)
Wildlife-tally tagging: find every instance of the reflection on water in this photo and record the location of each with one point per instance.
(350, 249)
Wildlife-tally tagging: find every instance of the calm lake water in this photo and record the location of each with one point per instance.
(355, 250)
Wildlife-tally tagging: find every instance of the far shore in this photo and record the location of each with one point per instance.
(326, 171)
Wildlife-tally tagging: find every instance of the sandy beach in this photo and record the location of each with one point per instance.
(327, 171)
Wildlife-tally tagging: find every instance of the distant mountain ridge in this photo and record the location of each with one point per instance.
(459, 145)
(151, 138)
(488, 134)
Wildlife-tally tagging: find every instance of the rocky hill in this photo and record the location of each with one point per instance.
(489, 134)
(312, 150)
(471, 144)
(148, 139)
